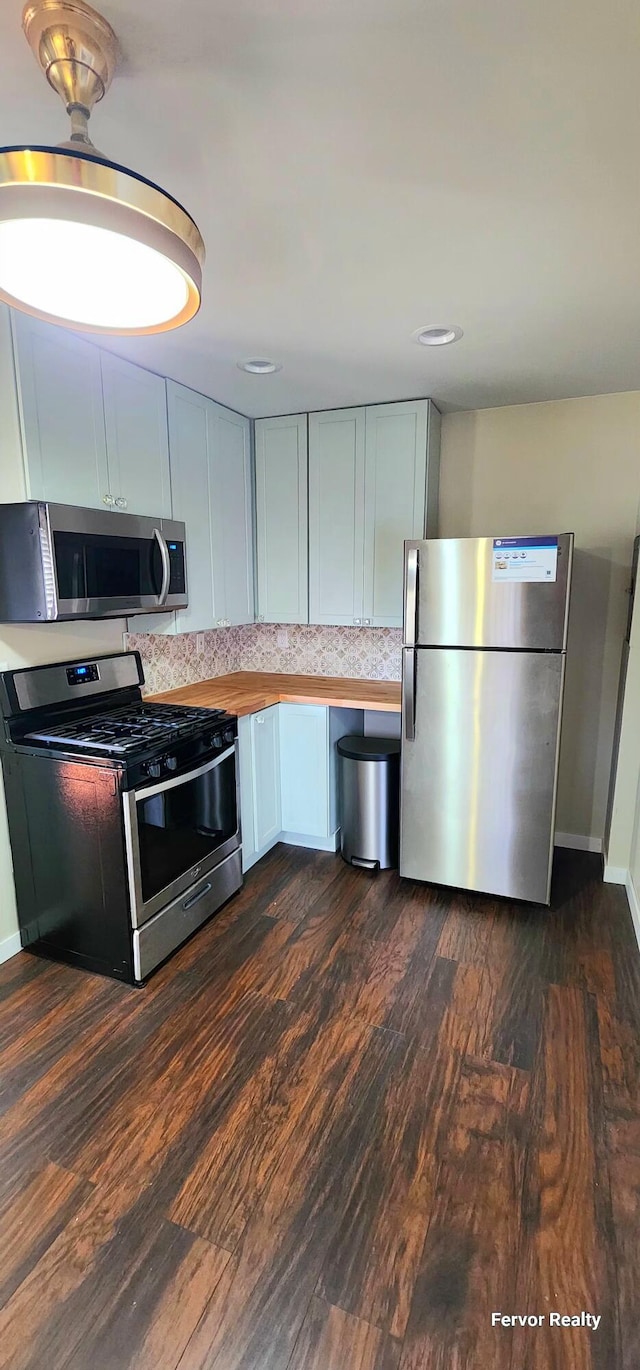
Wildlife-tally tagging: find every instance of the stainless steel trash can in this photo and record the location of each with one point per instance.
(370, 800)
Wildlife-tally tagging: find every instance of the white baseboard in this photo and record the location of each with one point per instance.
(577, 842)
(10, 946)
(634, 905)
(297, 839)
(615, 875)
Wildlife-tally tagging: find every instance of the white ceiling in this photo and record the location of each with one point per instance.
(359, 168)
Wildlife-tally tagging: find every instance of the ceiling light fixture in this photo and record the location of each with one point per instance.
(85, 242)
(260, 366)
(436, 337)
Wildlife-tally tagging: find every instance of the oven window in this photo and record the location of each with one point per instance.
(183, 826)
(95, 566)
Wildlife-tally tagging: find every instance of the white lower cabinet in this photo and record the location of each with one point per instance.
(260, 808)
(304, 772)
(289, 777)
(265, 750)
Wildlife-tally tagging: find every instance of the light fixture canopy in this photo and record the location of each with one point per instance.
(84, 241)
(437, 336)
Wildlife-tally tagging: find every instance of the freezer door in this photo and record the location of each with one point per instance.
(459, 592)
(479, 773)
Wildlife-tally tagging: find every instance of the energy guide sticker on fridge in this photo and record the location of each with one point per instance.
(524, 559)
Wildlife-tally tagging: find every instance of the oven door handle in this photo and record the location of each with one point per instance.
(186, 777)
(166, 565)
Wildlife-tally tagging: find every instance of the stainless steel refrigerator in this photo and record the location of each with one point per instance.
(483, 665)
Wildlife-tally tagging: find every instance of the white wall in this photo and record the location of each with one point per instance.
(566, 466)
(30, 645)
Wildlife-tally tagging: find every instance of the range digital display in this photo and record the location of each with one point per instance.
(80, 675)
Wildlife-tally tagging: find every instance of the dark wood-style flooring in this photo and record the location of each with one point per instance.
(352, 1118)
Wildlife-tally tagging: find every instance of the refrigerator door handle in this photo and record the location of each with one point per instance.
(411, 621)
(409, 693)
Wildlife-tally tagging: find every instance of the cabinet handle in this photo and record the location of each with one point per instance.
(357, 622)
(260, 618)
(108, 499)
(259, 718)
(120, 502)
(367, 622)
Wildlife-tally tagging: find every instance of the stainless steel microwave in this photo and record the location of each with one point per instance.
(59, 562)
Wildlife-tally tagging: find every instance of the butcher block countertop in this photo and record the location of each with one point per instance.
(246, 692)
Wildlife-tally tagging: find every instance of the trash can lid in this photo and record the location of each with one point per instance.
(369, 748)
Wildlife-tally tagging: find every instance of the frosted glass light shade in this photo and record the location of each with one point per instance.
(87, 244)
(87, 275)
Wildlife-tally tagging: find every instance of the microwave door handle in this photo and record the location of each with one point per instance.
(166, 566)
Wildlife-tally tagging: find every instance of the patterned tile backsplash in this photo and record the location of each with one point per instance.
(172, 660)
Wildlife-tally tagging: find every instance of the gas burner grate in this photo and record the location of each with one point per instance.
(127, 730)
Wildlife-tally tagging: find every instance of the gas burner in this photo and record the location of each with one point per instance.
(125, 731)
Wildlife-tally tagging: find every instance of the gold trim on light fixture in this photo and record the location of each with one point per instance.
(76, 48)
(74, 183)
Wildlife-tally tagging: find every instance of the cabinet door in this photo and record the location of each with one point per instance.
(189, 436)
(232, 515)
(304, 769)
(281, 519)
(62, 415)
(336, 516)
(265, 751)
(394, 503)
(135, 409)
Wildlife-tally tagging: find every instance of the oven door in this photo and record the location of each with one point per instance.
(177, 830)
(107, 564)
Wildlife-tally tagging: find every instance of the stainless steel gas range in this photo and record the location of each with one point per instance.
(123, 814)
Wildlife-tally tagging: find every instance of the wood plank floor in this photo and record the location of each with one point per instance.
(352, 1118)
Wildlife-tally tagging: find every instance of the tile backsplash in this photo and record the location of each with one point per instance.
(173, 660)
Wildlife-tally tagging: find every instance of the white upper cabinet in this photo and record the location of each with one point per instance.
(336, 516)
(94, 427)
(336, 492)
(281, 519)
(373, 477)
(191, 475)
(62, 414)
(394, 503)
(232, 515)
(211, 483)
(135, 410)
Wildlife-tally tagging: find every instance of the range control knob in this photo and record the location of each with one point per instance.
(171, 763)
(152, 768)
(229, 735)
(217, 742)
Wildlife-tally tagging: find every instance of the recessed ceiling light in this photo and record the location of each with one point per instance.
(84, 242)
(436, 337)
(260, 366)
